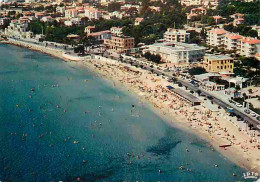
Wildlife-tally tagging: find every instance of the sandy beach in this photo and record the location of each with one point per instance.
(215, 127)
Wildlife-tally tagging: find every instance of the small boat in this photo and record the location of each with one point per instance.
(17, 105)
(75, 142)
(223, 146)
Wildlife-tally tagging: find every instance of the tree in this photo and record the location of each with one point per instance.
(79, 49)
(147, 55)
(197, 71)
(113, 6)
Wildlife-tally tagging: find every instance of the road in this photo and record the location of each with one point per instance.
(190, 86)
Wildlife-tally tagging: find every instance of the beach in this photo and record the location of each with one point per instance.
(215, 127)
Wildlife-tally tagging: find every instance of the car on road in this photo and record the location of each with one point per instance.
(247, 111)
(209, 97)
(253, 114)
(230, 108)
(239, 105)
(240, 119)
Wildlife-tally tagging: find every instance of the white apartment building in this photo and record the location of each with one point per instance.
(92, 13)
(176, 35)
(100, 36)
(250, 47)
(191, 2)
(245, 46)
(232, 41)
(71, 13)
(73, 21)
(126, 7)
(205, 3)
(116, 31)
(18, 29)
(257, 28)
(60, 9)
(216, 37)
(47, 19)
(176, 52)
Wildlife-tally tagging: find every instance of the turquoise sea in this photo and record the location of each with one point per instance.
(60, 121)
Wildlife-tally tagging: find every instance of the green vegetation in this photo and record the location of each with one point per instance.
(152, 57)
(197, 71)
(242, 30)
(250, 9)
(155, 24)
(249, 68)
(56, 32)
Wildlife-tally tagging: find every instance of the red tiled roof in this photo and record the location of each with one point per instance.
(234, 36)
(218, 31)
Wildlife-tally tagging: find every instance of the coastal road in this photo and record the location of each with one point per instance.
(218, 101)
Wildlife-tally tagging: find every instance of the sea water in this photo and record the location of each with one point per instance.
(60, 121)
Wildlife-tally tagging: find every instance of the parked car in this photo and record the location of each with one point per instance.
(230, 108)
(247, 111)
(240, 119)
(258, 118)
(239, 105)
(258, 126)
(253, 114)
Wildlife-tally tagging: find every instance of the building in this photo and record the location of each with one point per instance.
(40, 15)
(216, 37)
(218, 19)
(73, 21)
(4, 21)
(47, 19)
(232, 41)
(100, 36)
(218, 64)
(176, 52)
(60, 10)
(138, 21)
(116, 31)
(119, 44)
(196, 12)
(257, 28)
(71, 13)
(205, 3)
(89, 29)
(249, 47)
(176, 35)
(18, 29)
(238, 21)
(92, 13)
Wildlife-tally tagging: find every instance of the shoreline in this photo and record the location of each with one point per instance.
(174, 119)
